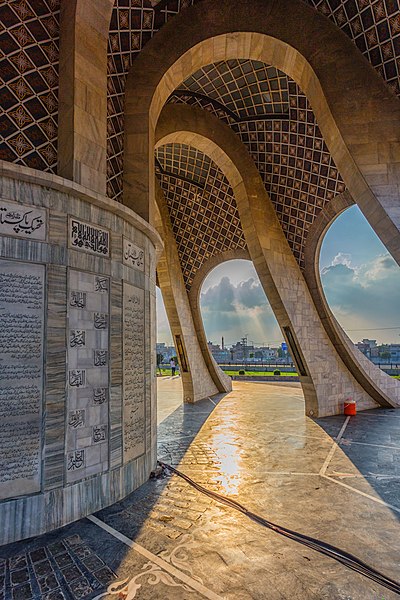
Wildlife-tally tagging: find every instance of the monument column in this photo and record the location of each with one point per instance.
(199, 378)
(82, 134)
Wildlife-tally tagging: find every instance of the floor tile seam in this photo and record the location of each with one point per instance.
(207, 593)
(346, 441)
(334, 447)
(364, 494)
(361, 476)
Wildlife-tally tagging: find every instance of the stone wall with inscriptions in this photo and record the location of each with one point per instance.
(22, 301)
(133, 256)
(88, 378)
(133, 371)
(77, 277)
(27, 222)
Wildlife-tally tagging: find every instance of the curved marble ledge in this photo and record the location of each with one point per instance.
(61, 184)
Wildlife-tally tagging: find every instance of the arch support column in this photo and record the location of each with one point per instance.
(82, 133)
(201, 377)
(383, 388)
(325, 379)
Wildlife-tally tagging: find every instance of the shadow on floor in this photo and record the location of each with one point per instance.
(368, 455)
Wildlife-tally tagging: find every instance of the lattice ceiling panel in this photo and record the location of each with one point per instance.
(373, 25)
(29, 95)
(133, 24)
(243, 88)
(202, 207)
(29, 42)
(298, 172)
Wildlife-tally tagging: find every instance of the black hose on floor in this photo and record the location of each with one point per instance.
(347, 559)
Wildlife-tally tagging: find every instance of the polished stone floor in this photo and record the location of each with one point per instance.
(336, 479)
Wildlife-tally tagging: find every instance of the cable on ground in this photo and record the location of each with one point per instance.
(347, 559)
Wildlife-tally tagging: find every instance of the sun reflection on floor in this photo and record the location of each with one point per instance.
(228, 459)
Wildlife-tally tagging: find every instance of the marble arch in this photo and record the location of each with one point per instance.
(201, 377)
(378, 384)
(277, 269)
(345, 93)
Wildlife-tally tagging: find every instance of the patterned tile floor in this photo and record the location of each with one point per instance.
(336, 479)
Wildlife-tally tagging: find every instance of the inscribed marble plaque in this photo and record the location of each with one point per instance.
(22, 300)
(133, 255)
(27, 222)
(133, 372)
(87, 375)
(88, 237)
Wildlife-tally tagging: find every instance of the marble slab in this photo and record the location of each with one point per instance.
(133, 372)
(133, 256)
(22, 302)
(28, 222)
(88, 237)
(87, 427)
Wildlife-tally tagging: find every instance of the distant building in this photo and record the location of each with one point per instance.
(266, 353)
(368, 347)
(241, 352)
(221, 355)
(384, 353)
(394, 350)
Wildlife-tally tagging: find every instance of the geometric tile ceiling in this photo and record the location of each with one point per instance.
(374, 26)
(241, 88)
(133, 24)
(29, 38)
(201, 205)
(298, 172)
(29, 95)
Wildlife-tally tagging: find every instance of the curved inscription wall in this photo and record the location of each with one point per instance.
(77, 288)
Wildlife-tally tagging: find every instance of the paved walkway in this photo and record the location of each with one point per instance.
(167, 541)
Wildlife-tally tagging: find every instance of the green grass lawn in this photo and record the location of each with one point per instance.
(165, 372)
(260, 373)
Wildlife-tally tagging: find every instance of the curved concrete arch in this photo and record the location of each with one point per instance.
(357, 114)
(82, 114)
(200, 378)
(325, 379)
(194, 300)
(377, 383)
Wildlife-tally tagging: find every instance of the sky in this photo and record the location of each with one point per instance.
(360, 279)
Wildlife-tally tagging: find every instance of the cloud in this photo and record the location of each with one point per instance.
(342, 259)
(227, 297)
(364, 297)
(236, 310)
(219, 297)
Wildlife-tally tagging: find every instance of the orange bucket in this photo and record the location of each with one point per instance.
(350, 407)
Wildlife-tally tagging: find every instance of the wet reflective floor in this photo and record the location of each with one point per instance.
(336, 479)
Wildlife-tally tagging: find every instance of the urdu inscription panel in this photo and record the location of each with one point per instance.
(133, 371)
(88, 237)
(88, 375)
(27, 222)
(22, 296)
(133, 256)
